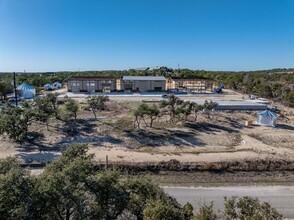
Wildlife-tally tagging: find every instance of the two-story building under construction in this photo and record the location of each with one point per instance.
(79, 84)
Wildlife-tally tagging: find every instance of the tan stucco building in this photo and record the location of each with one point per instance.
(189, 85)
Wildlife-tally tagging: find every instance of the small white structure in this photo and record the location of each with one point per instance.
(266, 118)
(48, 86)
(26, 91)
(56, 85)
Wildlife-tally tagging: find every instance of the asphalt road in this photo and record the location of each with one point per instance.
(280, 197)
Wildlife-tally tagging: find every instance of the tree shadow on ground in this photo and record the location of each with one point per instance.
(79, 126)
(69, 128)
(35, 142)
(94, 140)
(38, 145)
(285, 127)
(42, 157)
(165, 137)
(209, 127)
(75, 132)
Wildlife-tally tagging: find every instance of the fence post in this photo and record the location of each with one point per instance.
(106, 165)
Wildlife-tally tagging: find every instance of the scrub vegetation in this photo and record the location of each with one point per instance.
(15, 121)
(72, 188)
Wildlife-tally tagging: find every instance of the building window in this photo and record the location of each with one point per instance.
(92, 84)
(75, 84)
(128, 81)
(106, 81)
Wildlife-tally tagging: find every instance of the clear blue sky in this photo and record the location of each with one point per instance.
(54, 35)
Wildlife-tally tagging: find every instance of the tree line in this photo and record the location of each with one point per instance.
(71, 187)
(275, 86)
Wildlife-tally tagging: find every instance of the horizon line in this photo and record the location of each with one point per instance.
(121, 70)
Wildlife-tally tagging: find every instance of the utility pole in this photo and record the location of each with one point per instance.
(14, 84)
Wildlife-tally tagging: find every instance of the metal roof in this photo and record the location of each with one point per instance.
(141, 69)
(153, 78)
(154, 68)
(267, 113)
(189, 79)
(91, 78)
(24, 86)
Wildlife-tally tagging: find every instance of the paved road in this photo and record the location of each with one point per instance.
(280, 197)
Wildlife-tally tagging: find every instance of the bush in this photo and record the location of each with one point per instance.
(249, 208)
(206, 213)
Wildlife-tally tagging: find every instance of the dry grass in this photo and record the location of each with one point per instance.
(221, 138)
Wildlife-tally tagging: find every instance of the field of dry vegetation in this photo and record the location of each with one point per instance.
(220, 142)
(222, 137)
